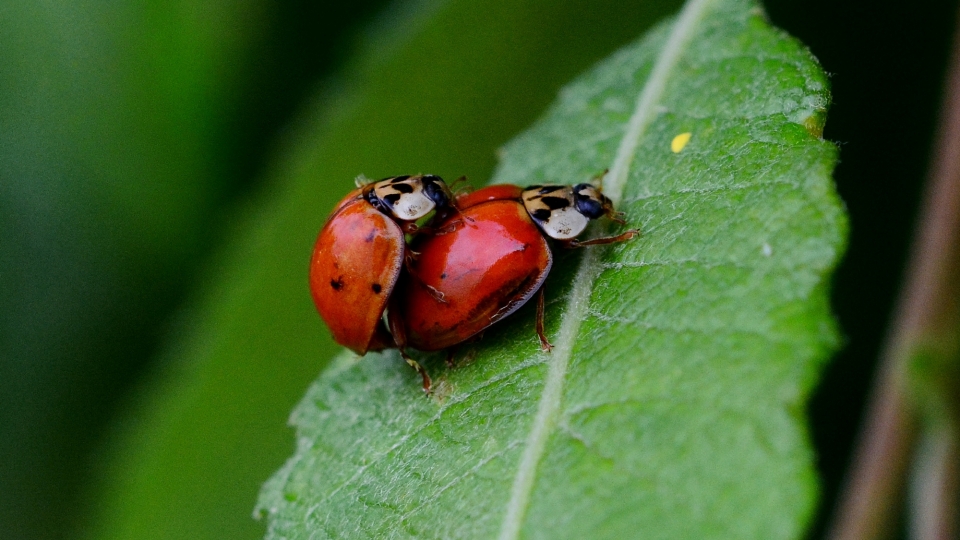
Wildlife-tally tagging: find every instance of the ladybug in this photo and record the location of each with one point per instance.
(360, 252)
(493, 262)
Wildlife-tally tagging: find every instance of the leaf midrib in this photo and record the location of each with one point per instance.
(579, 299)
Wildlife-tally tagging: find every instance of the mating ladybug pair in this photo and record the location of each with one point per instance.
(482, 255)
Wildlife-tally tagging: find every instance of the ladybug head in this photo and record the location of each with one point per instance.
(409, 198)
(436, 190)
(590, 202)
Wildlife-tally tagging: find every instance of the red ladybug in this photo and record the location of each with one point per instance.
(360, 252)
(493, 262)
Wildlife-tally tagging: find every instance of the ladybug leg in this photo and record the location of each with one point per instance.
(437, 231)
(427, 383)
(602, 240)
(436, 294)
(409, 227)
(410, 257)
(432, 291)
(452, 225)
(545, 345)
(464, 219)
(399, 332)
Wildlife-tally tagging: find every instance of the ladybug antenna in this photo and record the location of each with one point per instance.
(462, 188)
(460, 180)
(597, 180)
(444, 213)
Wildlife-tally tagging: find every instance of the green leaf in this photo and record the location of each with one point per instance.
(435, 87)
(673, 403)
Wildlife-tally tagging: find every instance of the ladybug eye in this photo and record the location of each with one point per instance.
(375, 201)
(590, 208)
(588, 201)
(435, 190)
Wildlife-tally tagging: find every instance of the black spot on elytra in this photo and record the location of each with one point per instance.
(403, 188)
(555, 203)
(337, 284)
(376, 288)
(443, 275)
(541, 214)
(370, 236)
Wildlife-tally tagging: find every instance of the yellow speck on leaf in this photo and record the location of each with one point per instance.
(679, 142)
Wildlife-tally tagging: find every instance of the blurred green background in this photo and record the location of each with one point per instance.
(165, 166)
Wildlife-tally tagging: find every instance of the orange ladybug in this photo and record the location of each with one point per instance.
(360, 252)
(494, 258)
